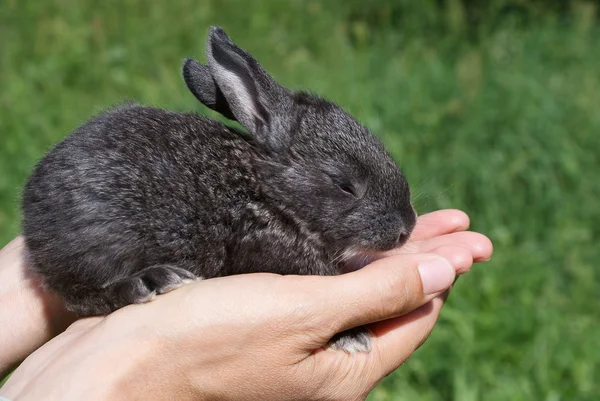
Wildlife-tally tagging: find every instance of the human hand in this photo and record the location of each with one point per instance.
(258, 336)
(29, 315)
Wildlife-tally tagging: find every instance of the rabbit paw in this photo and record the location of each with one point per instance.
(144, 285)
(351, 341)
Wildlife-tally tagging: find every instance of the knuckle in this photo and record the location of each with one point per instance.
(398, 291)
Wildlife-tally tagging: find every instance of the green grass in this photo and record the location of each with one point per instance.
(503, 123)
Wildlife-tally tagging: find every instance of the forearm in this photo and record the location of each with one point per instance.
(29, 316)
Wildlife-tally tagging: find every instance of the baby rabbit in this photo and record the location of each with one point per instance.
(140, 200)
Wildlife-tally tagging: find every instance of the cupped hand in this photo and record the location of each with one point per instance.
(260, 336)
(444, 232)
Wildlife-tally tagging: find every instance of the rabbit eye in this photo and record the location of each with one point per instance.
(347, 187)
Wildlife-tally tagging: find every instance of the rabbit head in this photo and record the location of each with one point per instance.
(316, 162)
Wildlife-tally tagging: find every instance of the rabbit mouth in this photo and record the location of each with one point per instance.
(356, 260)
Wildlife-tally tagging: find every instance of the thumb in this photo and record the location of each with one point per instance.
(385, 289)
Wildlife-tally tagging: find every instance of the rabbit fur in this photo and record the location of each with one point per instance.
(139, 200)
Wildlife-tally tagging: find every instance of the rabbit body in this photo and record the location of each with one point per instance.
(140, 200)
(140, 187)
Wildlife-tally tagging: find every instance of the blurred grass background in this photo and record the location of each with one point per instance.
(492, 107)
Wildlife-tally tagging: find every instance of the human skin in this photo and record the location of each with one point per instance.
(257, 336)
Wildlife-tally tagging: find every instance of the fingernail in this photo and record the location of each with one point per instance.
(436, 275)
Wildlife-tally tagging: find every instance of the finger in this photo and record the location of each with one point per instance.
(439, 223)
(461, 258)
(385, 289)
(480, 245)
(398, 338)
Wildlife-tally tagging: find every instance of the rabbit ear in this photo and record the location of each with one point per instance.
(252, 95)
(199, 81)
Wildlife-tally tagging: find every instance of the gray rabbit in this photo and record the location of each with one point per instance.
(139, 201)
